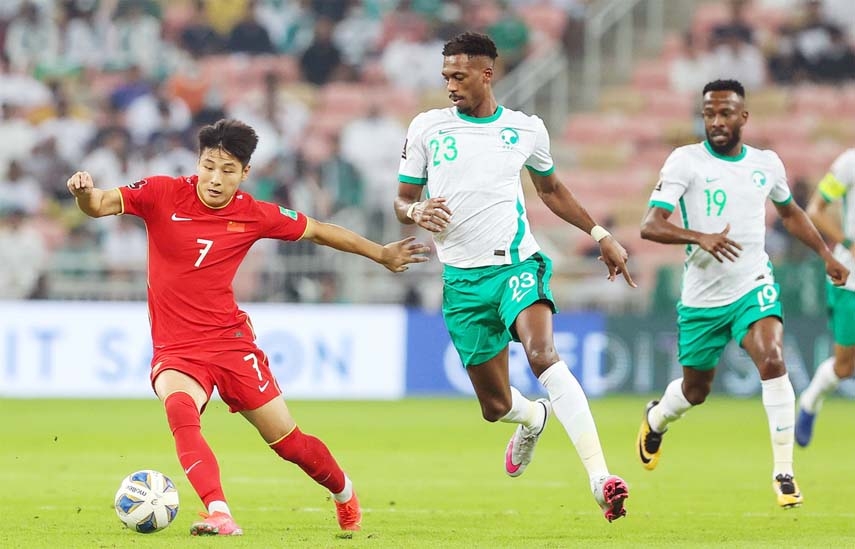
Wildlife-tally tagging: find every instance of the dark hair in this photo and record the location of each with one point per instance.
(471, 44)
(725, 85)
(233, 136)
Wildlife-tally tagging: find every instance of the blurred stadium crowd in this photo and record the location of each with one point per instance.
(120, 87)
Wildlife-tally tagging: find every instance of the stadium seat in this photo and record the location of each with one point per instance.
(351, 98)
(806, 160)
(545, 19)
(591, 128)
(669, 104)
(764, 131)
(603, 158)
(649, 158)
(651, 74)
(837, 130)
(815, 100)
(672, 46)
(771, 101)
(620, 99)
(707, 15)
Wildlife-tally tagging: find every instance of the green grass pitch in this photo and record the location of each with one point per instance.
(429, 473)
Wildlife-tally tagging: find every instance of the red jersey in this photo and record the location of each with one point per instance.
(193, 254)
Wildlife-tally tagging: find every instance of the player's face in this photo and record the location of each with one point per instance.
(467, 80)
(220, 175)
(724, 115)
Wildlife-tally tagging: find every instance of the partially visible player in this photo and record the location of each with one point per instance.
(199, 230)
(729, 290)
(496, 280)
(836, 185)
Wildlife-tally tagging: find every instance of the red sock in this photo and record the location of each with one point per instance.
(313, 457)
(194, 454)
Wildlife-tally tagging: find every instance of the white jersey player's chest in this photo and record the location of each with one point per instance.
(492, 151)
(723, 189)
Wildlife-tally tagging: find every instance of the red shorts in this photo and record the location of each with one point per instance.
(241, 375)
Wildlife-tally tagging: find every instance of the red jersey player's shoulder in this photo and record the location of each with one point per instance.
(165, 180)
(161, 183)
(279, 221)
(145, 196)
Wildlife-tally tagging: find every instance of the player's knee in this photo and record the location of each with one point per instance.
(845, 371)
(541, 358)
(181, 411)
(696, 394)
(495, 409)
(845, 367)
(771, 366)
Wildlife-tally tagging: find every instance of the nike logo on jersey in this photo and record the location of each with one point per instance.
(443, 132)
(711, 179)
(176, 218)
(264, 386)
(187, 470)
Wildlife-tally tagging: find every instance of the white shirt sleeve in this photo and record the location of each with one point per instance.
(780, 193)
(540, 161)
(413, 166)
(673, 181)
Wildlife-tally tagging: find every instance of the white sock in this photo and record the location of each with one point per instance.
(779, 401)
(220, 506)
(347, 493)
(671, 407)
(523, 411)
(571, 408)
(824, 381)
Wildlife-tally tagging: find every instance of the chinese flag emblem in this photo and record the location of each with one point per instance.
(234, 227)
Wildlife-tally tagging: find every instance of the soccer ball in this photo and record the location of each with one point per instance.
(147, 501)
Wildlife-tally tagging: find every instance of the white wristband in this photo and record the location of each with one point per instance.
(599, 233)
(411, 208)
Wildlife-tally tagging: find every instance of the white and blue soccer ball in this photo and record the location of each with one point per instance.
(147, 501)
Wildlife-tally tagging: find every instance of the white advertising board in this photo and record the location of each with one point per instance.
(103, 349)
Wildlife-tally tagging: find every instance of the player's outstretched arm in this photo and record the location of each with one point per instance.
(798, 224)
(562, 203)
(395, 256)
(656, 227)
(92, 201)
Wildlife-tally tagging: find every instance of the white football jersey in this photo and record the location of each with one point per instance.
(713, 191)
(475, 164)
(836, 185)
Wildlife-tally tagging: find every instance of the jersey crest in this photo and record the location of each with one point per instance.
(509, 137)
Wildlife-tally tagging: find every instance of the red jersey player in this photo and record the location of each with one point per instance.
(199, 230)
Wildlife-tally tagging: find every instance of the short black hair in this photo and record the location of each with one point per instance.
(725, 85)
(233, 136)
(471, 44)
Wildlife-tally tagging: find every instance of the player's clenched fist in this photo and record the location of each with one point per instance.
(80, 183)
(432, 214)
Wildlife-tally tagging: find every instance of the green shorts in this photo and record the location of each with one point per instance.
(481, 304)
(704, 331)
(841, 314)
